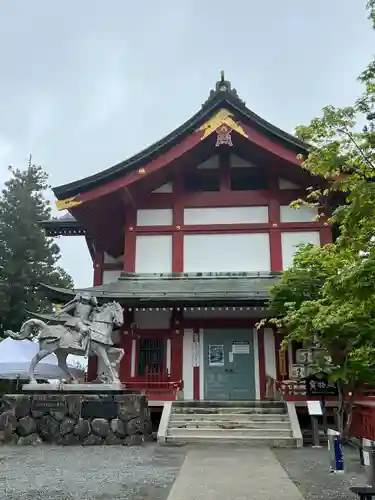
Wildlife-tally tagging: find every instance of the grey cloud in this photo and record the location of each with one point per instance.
(85, 84)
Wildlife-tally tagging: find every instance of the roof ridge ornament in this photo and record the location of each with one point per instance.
(223, 85)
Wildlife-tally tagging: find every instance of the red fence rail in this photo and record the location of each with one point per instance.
(363, 422)
(157, 385)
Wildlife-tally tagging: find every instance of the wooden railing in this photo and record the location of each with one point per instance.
(157, 385)
(363, 422)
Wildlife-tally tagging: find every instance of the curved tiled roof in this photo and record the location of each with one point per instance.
(181, 288)
(222, 96)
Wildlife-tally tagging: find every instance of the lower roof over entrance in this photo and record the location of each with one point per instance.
(179, 289)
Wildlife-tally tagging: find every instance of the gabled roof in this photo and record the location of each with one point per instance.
(66, 225)
(223, 96)
(175, 289)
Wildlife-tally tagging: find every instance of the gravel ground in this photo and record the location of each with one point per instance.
(95, 473)
(309, 470)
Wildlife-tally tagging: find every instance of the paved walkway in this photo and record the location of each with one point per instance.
(233, 473)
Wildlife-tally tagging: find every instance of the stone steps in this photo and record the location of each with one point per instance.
(253, 422)
(229, 404)
(257, 442)
(228, 410)
(217, 432)
(222, 417)
(228, 424)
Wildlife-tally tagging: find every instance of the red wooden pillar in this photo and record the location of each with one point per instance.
(98, 263)
(176, 344)
(196, 363)
(325, 235)
(126, 344)
(178, 222)
(262, 364)
(130, 240)
(274, 219)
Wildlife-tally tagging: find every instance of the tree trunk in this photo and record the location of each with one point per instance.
(341, 408)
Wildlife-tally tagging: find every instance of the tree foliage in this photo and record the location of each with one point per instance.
(27, 256)
(327, 296)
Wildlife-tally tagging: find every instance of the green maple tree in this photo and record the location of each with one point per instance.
(27, 256)
(328, 294)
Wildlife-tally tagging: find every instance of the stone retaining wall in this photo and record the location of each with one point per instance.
(72, 419)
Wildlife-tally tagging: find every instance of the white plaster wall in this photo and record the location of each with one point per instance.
(152, 320)
(212, 162)
(291, 240)
(285, 184)
(110, 276)
(155, 217)
(225, 215)
(302, 214)
(108, 259)
(269, 352)
(187, 364)
(165, 188)
(226, 252)
(153, 254)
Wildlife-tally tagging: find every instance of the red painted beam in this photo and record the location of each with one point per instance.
(273, 146)
(159, 162)
(231, 228)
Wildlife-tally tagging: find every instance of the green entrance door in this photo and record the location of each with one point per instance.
(228, 365)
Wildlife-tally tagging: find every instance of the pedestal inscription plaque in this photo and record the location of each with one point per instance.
(99, 409)
(48, 403)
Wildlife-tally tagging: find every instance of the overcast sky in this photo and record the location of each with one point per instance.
(85, 84)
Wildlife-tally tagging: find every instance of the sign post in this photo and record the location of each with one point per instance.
(315, 411)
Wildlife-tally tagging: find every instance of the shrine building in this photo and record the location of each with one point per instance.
(188, 235)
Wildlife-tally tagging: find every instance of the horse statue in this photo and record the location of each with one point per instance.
(62, 340)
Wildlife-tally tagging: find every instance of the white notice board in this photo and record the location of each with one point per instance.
(314, 408)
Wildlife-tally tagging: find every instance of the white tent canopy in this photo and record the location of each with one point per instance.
(15, 358)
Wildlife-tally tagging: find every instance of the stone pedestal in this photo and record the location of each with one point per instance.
(75, 418)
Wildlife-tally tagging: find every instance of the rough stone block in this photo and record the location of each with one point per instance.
(133, 426)
(31, 439)
(74, 402)
(112, 439)
(135, 440)
(118, 427)
(82, 428)
(26, 426)
(92, 440)
(27, 419)
(100, 427)
(7, 420)
(66, 426)
(21, 405)
(49, 428)
(69, 440)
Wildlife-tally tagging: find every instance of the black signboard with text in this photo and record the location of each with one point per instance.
(319, 385)
(99, 409)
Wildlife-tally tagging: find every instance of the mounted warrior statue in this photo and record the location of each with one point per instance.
(80, 310)
(80, 328)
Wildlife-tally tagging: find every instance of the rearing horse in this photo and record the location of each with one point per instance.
(60, 340)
